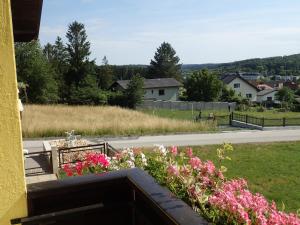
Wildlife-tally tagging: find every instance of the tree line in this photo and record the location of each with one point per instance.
(65, 73)
(280, 65)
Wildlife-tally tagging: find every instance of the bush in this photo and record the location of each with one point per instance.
(261, 109)
(116, 99)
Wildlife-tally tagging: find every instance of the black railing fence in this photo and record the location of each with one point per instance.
(38, 163)
(220, 120)
(266, 122)
(72, 154)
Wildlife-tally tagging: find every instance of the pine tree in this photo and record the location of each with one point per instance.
(135, 92)
(81, 76)
(104, 75)
(165, 63)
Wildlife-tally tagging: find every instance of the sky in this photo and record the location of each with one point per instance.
(201, 31)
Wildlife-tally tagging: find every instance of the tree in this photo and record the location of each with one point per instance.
(203, 86)
(78, 49)
(35, 72)
(229, 95)
(104, 61)
(81, 74)
(165, 63)
(57, 56)
(286, 96)
(104, 75)
(135, 92)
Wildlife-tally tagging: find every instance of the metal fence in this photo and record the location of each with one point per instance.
(266, 122)
(65, 154)
(219, 120)
(38, 163)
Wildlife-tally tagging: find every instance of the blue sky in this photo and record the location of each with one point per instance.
(201, 31)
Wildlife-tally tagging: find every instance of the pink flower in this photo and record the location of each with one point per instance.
(95, 159)
(68, 170)
(195, 162)
(209, 167)
(220, 175)
(79, 168)
(173, 150)
(189, 152)
(173, 170)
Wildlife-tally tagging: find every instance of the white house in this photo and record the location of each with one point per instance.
(267, 95)
(166, 89)
(241, 86)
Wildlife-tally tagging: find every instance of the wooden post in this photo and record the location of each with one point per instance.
(283, 121)
(263, 122)
(246, 119)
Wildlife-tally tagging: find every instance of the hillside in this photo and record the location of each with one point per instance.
(279, 65)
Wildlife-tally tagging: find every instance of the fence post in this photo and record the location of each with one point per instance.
(230, 118)
(246, 119)
(263, 121)
(283, 121)
(55, 164)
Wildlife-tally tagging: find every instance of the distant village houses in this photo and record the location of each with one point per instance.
(241, 86)
(258, 88)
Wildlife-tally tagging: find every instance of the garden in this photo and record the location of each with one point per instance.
(202, 183)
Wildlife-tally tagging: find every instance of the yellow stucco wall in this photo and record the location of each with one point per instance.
(12, 181)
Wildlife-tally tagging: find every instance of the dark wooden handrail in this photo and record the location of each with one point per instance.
(122, 196)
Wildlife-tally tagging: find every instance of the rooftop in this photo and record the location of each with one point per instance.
(227, 79)
(153, 83)
(266, 91)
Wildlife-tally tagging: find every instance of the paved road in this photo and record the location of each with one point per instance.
(209, 139)
(194, 139)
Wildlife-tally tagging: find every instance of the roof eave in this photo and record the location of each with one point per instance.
(26, 16)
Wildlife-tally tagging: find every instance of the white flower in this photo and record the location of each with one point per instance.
(162, 149)
(130, 164)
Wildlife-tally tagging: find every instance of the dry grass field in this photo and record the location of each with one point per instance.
(55, 120)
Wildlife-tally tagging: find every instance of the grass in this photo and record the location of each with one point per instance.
(270, 169)
(55, 120)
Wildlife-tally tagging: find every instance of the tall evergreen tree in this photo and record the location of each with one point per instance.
(81, 76)
(57, 56)
(104, 74)
(165, 63)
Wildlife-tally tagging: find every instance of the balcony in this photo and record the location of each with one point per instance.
(122, 197)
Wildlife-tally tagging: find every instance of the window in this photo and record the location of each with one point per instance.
(248, 95)
(161, 92)
(269, 98)
(237, 85)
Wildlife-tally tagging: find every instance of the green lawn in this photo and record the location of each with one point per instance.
(270, 169)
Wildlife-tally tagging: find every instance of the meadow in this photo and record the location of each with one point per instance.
(55, 120)
(271, 169)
